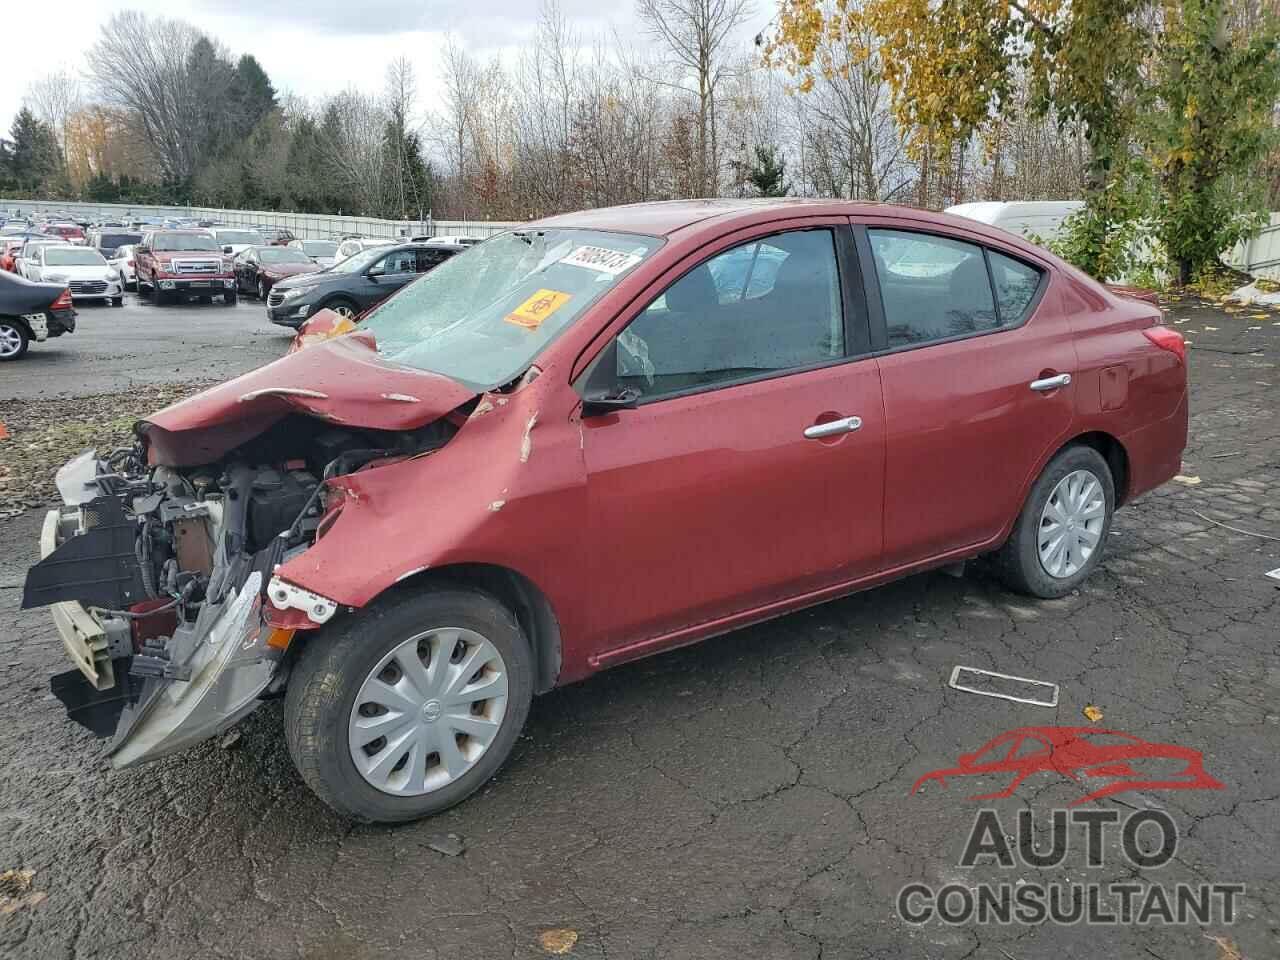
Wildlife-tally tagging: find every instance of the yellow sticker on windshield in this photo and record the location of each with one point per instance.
(537, 308)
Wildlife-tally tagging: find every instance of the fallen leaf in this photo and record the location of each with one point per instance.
(1226, 949)
(1092, 713)
(1189, 481)
(558, 941)
(16, 892)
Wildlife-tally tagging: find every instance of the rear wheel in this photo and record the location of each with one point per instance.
(1059, 537)
(262, 291)
(409, 706)
(14, 339)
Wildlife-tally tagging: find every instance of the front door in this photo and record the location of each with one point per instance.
(386, 276)
(751, 470)
(976, 389)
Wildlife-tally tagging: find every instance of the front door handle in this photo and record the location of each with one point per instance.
(832, 428)
(1051, 383)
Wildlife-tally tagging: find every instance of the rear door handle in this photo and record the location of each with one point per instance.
(1051, 383)
(832, 428)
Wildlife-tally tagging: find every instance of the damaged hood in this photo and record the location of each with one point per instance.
(340, 381)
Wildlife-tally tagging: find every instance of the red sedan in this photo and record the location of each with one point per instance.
(601, 436)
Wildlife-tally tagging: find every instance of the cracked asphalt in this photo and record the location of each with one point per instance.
(748, 797)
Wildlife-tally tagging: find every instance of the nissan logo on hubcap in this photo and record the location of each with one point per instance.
(431, 710)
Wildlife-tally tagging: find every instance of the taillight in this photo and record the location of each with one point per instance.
(130, 263)
(64, 300)
(1167, 339)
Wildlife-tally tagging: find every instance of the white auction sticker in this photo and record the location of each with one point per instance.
(602, 260)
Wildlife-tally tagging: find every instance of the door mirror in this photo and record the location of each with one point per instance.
(226, 248)
(601, 393)
(599, 405)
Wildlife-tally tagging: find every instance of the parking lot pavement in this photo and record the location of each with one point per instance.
(114, 348)
(748, 797)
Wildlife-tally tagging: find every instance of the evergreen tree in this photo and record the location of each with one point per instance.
(35, 159)
(769, 173)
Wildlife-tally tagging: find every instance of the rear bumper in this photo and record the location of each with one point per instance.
(1155, 451)
(61, 321)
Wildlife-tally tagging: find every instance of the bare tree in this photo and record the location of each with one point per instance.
(141, 64)
(696, 34)
(55, 98)
(352, 138)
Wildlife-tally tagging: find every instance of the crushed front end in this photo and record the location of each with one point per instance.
(161, 576)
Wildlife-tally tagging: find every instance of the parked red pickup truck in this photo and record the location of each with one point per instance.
(183, 263)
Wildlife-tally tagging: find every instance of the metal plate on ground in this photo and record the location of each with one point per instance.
(1004, 686)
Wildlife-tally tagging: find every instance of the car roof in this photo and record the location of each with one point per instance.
(667, 217)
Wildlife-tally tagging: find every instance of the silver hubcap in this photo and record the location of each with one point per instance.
(1071, 524)
(428, 711)
(262, 290)
(343, 310)
(10, 340)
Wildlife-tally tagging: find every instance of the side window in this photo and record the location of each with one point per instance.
(708, 328)
(402, 261)
(427, 259)
(1016, 286)
(931, 287)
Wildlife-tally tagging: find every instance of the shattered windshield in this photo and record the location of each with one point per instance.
(482, 316)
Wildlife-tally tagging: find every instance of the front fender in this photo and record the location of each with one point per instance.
(498, 493)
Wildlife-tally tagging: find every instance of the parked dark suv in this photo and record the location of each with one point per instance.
(354, 285)
(277, 236)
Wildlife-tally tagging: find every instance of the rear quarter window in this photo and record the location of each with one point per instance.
(1016, 285)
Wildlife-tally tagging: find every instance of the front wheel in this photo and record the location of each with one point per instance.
(342, 307)
(410, 705)
(1060, 535)
(14, 339)
(229, 298)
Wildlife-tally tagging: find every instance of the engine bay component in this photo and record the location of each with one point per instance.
(158, 576)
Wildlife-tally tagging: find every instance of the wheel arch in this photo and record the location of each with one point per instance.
(518, 594)
(19, 321)
(1113, 451)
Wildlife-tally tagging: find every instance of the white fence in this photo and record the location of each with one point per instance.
(308, 225)
(1260, 256)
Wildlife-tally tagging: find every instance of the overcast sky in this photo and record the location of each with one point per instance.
(308, 47)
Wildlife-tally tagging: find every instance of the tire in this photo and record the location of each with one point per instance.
(159, 297)
(262, 291)
(327, 697)
(1019, 562)
(342, 306)
(117, 301)
(229, 298)
(15, 338)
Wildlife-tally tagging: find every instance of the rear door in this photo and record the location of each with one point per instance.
(751, 469)
(976, 361)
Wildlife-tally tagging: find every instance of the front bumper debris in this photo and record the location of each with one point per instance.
(153, 682)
